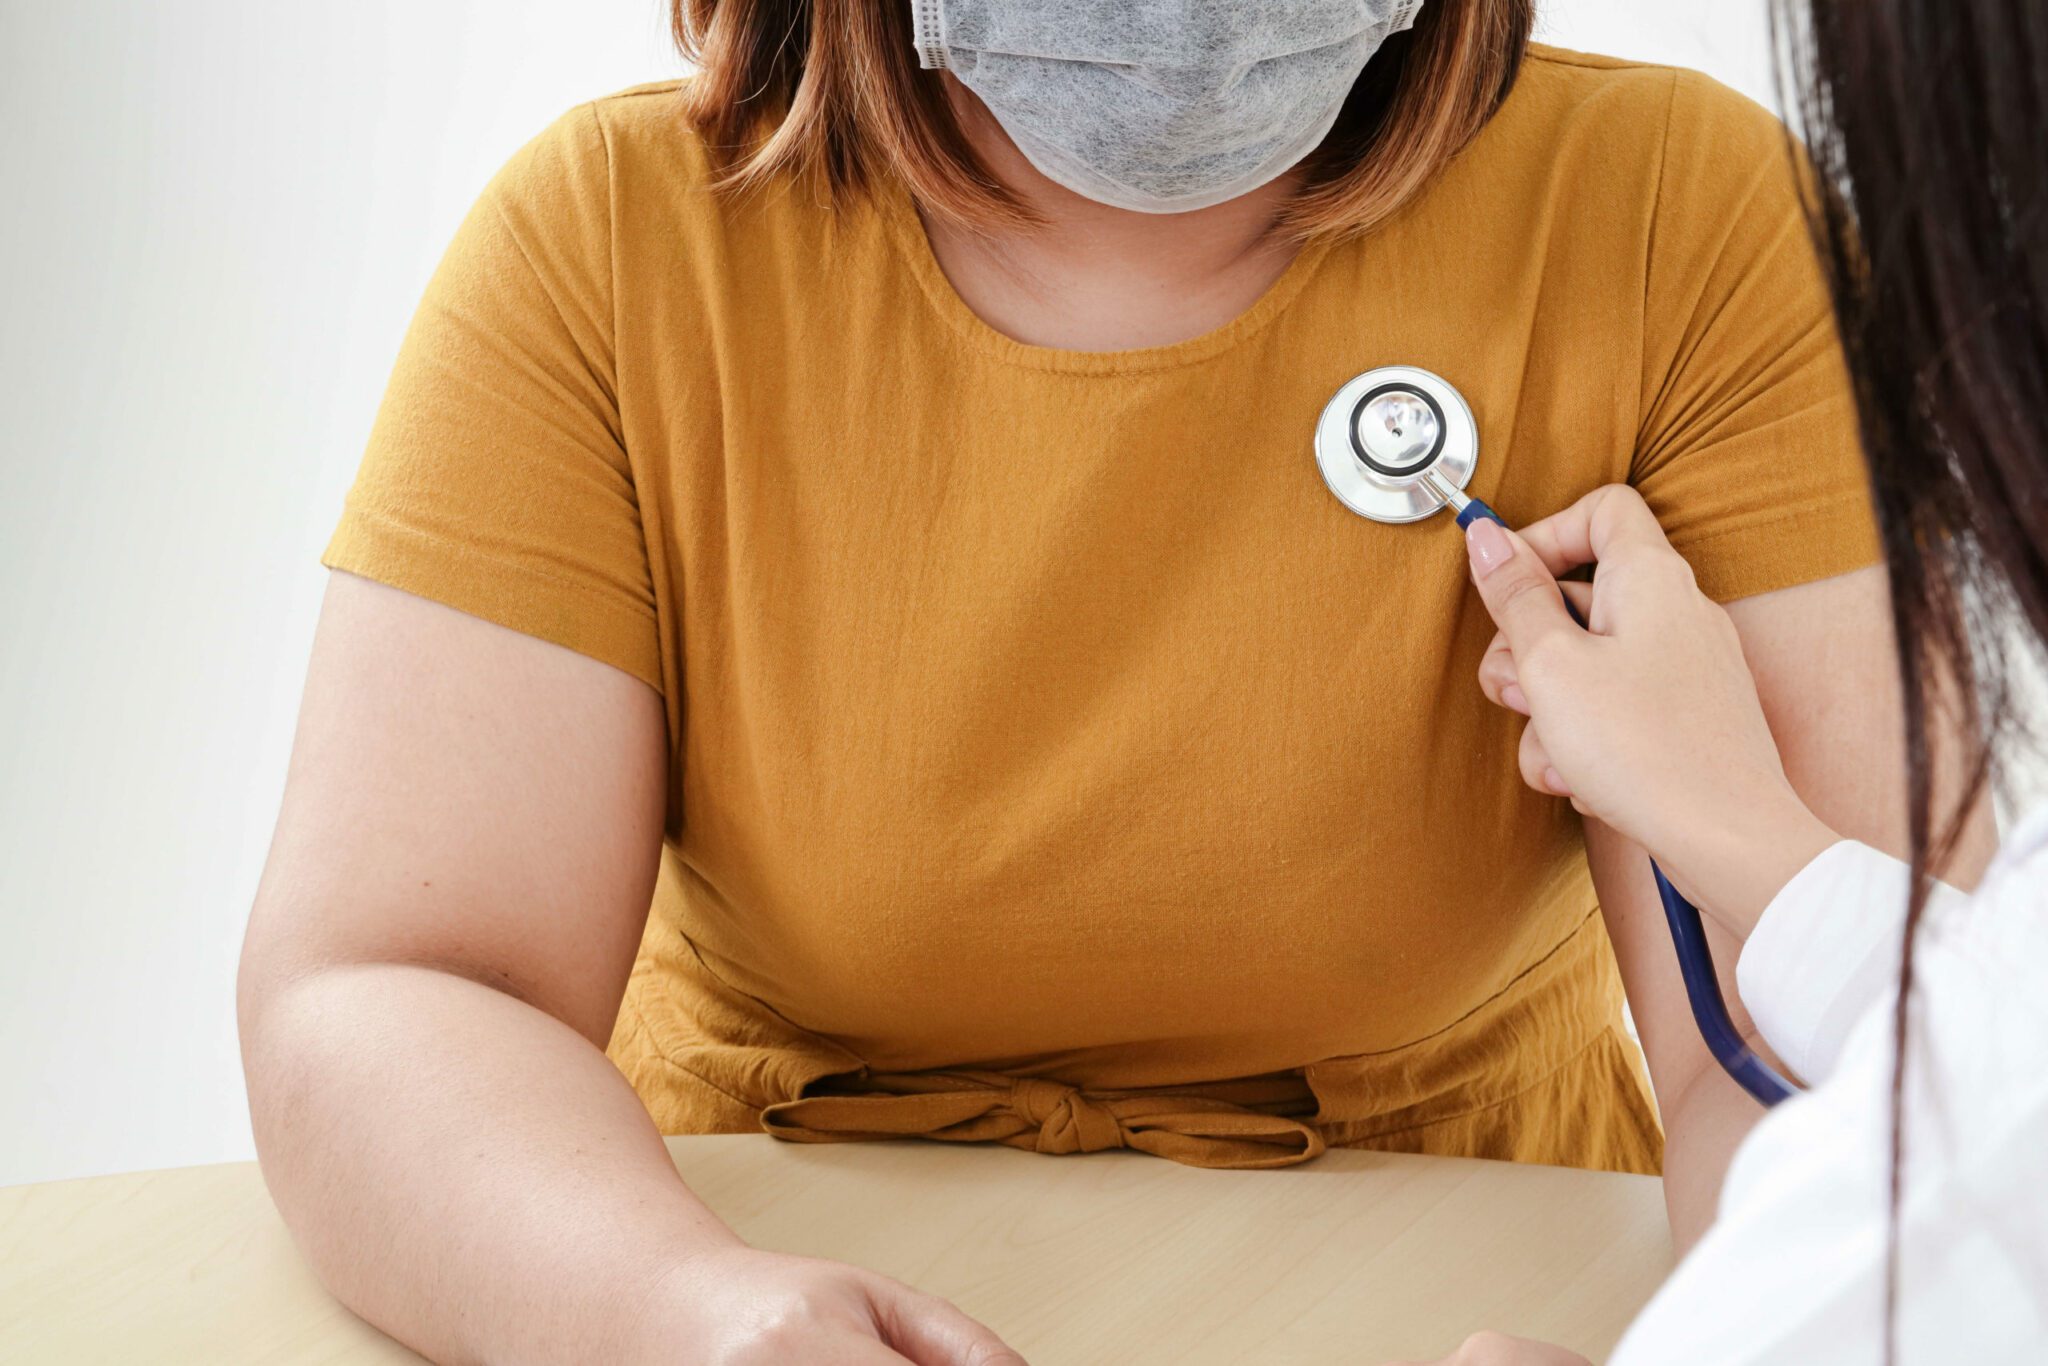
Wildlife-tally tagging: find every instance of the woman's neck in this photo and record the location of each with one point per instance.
(1096, 278)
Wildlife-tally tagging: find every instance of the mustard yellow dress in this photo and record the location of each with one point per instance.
(1054, 761)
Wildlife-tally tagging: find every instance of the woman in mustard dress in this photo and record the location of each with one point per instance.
(809, 504)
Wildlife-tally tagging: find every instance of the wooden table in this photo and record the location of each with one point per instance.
(1111, 1257)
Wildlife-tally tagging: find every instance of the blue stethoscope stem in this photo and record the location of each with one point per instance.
(1709, 1010)
(1689, 937)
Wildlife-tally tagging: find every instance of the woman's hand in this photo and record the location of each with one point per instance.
(1498, 1349)
(737, 1306)
(1649, 720)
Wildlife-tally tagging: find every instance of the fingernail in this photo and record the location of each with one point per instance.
(1488, 546)
(1554, 780)
(1511, 698)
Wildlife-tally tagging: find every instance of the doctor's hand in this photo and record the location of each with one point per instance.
(1649, 721)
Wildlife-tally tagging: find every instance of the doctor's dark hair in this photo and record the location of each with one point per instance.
(833, 88)
(1926, 121)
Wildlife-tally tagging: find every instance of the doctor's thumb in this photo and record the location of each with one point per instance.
(1518, 590)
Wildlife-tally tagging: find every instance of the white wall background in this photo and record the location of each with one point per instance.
(216, 218)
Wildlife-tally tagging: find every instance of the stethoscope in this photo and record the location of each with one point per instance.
(1398, 444)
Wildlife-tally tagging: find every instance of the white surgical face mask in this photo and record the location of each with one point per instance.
(1161, 106)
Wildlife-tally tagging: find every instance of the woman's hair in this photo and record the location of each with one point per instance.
(833, 87)
(1927, 121)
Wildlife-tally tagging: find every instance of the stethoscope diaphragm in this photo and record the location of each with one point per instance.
(1394, 444)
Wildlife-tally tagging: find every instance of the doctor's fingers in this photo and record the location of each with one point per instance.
(1497, 666)
(1537, 770)
(1519, 593)
(1612, 523)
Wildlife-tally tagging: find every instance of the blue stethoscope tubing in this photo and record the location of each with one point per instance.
(1695, 957)
(1398, 444)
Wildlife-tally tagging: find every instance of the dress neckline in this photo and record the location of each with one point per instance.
(900, 216)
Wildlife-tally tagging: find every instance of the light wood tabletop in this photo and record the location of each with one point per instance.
(1110, 1257)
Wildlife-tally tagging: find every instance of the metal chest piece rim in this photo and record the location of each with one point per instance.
(1387, 490)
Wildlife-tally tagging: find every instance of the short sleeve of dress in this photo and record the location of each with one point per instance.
(1747, 449)
(496, 479)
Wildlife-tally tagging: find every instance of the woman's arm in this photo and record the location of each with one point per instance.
(1821, 655)
(1704, 1113)
(454, 895)
(1739, 795)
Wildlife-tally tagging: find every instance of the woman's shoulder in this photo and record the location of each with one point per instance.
(648, 135)
(1665, 151)
(1634, 103)
(634, 136)
(636, 162)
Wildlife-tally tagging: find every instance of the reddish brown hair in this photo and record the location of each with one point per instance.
(832, 87)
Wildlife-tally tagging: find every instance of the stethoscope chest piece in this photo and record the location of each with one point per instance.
(1384, 432)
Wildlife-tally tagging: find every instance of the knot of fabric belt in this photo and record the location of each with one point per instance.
(1068, 1122)
(1041, 1115)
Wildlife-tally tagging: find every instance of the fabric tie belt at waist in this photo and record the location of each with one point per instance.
(1052, 1117)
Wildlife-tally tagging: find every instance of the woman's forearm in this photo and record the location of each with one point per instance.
(1703, 1126)
(462, 1169)
(1732, 869)
(1705, 1114)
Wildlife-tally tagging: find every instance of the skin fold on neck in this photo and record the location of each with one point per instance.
(1096, 278)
